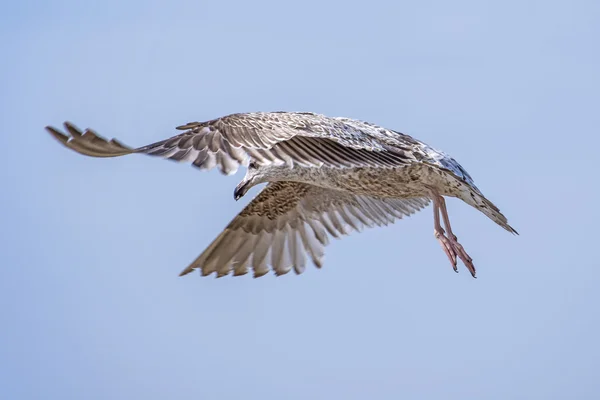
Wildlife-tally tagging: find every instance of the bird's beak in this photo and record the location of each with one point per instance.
(241, 189)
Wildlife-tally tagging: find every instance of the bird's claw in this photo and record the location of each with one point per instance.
(455, 250)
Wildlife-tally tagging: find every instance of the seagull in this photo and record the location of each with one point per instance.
(326, 177)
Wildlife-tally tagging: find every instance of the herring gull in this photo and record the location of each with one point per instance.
(325, 177)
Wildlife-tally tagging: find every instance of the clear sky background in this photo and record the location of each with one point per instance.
(90, 302)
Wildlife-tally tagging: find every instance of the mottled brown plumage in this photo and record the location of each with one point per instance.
(326, 177)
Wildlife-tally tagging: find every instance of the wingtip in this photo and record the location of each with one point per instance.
(189, 125)
(186, 271)
(72, 129)
(58, 135)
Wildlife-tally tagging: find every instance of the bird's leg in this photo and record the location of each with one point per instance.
(439, 234)
(448, 242)
(459, 250)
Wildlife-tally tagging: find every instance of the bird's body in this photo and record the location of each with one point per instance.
(401, 183)
(327, 176)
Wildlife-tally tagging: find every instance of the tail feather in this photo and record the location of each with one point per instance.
(479, 202)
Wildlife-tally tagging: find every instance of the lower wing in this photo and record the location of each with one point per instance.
(287, 221)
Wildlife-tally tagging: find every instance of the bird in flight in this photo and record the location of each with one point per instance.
(325, 177)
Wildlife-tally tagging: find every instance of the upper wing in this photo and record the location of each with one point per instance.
(228, 142)
(288, 220)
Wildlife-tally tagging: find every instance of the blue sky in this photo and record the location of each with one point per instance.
(90, 301)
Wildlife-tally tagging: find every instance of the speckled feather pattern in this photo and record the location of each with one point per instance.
(327, 177)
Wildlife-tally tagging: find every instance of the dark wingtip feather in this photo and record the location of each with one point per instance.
(57, 134)
(72, 129)
(88, 143)
(186, 271)
(189, 125)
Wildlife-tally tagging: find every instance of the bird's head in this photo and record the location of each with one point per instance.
(253, 177)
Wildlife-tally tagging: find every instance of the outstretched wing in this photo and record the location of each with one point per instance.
(228, 142)
(289, 220)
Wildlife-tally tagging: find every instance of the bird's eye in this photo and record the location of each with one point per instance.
(253, 165)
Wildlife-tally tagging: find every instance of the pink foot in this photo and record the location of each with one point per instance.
(453, 249)
(449, 243)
